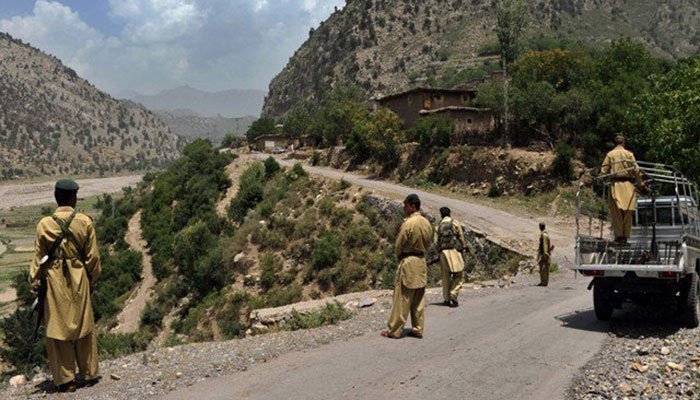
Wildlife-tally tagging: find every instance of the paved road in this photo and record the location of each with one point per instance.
(524, 344)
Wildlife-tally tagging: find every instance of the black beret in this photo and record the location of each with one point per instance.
(412, 199)
(68, 185)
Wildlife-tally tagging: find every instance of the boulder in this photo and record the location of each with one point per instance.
(18, 380)
(366, 302)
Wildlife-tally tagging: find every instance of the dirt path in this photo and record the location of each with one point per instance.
(128, 320)
(28, 194)
(234, 171)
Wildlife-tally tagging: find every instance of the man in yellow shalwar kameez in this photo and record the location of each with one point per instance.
(622, 167)
(449, 243)
(411, 245)
(71, 273)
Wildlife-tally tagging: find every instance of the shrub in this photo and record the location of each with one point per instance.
(315, 158)
(229, 317)
(329, 315)
(281, 296)
(152, 316)
(270, 265)
(359, 235)
(326, 252)
(271, 167)
(561, 166)
(326, 206)
(342, 185)
(298, 170)
(113, 345)
(432, 132)
(22, 353)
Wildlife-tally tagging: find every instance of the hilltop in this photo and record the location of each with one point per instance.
(386, 45)
(54, 122)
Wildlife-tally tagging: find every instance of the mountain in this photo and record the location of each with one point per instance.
(387, 45)
(228, 103)
(54, 122)
(190, 125)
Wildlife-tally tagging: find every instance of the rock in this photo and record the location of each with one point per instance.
(178, 375)
(351, 305)
(258, 328)
(640, 368)
(625, 388)
(677, 367)
(18, 380)
(238, 257)
(665, 351)
(366, 302)
(115, 377)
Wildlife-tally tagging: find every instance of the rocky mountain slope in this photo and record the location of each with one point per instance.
(227, 103)
(54, 122)
(386, 45)
(189, 125)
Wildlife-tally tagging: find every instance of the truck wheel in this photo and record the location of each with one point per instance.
(602, 302)
(690, 311)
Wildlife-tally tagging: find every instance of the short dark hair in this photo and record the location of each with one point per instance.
(542, 226)
(413, 200)
(63, 197)
(445, 212)
(620, 140)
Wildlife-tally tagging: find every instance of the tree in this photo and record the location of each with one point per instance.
(665, 122)
(510, 21)
(261, 127)
(433, 132)
(298, 121)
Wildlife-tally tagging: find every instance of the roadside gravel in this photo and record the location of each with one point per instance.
(647, 355)
(161, 370)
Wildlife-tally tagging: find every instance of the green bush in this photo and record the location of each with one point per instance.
(270, 266)
(329, 315)
(326, 252)
(561, 166)
(229, 316)
(298, 170)
(152, 316)
(21, 353)
(315, 158)
(432, 132)
(359, 235)
(281, 296)
(342, 185)
(271, 167)
(114, 345)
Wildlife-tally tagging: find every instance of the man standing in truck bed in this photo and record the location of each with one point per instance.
(623, 169)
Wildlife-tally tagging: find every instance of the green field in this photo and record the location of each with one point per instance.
(17, 230)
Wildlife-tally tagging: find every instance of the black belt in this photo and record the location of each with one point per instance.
(404, 255)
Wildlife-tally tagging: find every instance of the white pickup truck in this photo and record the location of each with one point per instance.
(660, 262)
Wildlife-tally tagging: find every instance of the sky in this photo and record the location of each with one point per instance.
(144, 46)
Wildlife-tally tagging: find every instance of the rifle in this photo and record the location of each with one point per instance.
(44, 263)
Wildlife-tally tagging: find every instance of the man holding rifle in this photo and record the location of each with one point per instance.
(65, 267)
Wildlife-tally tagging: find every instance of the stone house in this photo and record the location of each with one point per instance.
(472, 124)
(267, 143)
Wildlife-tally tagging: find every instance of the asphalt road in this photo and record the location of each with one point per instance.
(522, 344)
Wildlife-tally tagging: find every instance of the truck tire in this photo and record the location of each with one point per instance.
(690, 311)
(602, 302)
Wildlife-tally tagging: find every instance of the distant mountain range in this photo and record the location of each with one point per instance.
(228, 103)
(54, 122)
(190, 125)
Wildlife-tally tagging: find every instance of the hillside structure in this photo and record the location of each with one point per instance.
(472, 124)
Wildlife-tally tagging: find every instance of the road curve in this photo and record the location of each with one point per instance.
(525, 344)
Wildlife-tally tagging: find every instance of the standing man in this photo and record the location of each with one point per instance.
(449, 242)
(67, 259)
(544, 253)
(412, 272)
(623, 169)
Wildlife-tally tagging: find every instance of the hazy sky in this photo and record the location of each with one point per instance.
(150, 45)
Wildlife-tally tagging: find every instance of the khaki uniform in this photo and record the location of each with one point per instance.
(68, 316)
(622, 197)
(544, 257)
(451, 261)
(411, 275)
